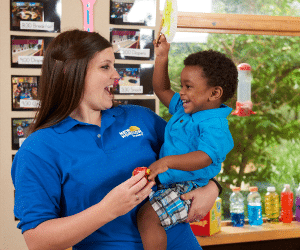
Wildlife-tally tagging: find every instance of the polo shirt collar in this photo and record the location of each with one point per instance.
(68, 123)
(221, 112)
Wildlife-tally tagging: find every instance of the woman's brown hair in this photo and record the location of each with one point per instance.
(63, 73)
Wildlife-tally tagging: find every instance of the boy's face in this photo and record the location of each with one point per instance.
(195, 92)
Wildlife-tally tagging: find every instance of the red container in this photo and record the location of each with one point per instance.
(287, 197)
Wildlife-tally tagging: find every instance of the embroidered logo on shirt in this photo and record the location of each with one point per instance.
(133, 131)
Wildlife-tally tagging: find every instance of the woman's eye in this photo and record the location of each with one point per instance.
(105, 67)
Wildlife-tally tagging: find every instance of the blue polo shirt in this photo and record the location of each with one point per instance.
(64, 169)
(206, 131)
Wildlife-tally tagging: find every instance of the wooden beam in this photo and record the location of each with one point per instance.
(238, 24)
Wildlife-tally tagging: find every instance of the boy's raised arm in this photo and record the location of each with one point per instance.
(161, 80)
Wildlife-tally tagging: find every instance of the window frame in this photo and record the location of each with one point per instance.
(238, 24)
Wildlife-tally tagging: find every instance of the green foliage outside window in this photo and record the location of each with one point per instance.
(257, 7)
(266, 148)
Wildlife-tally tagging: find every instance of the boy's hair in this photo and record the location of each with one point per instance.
(218, 69)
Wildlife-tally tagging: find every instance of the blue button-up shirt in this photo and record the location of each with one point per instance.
(206, 131)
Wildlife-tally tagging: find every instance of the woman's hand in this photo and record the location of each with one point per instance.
(203, 199)
(51, 234)
(128, 194)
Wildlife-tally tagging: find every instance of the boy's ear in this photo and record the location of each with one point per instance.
(216, 93)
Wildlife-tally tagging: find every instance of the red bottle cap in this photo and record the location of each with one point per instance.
(253, 189)
(244, 66)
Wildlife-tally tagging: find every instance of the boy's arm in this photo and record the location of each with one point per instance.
(161, 80)
(187, 162)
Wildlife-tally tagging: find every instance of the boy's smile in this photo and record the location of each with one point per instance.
(195, 93)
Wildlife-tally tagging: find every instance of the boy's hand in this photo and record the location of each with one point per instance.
(162, 47)
(157, 167)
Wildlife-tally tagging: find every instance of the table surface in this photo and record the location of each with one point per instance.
(267, 231)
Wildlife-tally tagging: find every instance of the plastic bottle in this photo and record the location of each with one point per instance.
(287, 197)
(237, 208)
(254, 207)
(272, 205)
(298, 204)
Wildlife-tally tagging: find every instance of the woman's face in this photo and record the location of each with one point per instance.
(100, 75)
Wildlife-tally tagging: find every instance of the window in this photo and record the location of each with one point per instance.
(265, 143)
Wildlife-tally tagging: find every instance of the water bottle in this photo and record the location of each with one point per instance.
(254, 207)
(287, 197)
(272, 205)
(298, 204)
(237, 208)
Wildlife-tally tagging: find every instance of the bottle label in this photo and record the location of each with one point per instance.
(237, 219)
(255, 215)
(272, 206)
(287, 200)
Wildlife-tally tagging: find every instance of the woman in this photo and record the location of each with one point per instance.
(72, 174)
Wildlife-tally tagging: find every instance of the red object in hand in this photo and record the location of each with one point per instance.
(141, 169)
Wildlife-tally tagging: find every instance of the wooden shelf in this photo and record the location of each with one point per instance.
(230, 235)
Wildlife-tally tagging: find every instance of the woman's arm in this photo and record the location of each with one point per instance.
(62, 233)
(203, 199)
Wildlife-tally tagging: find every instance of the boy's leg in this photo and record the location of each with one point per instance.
(153, 235)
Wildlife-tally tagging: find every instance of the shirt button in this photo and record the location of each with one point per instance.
(98, 135)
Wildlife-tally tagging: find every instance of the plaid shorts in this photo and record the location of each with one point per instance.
(166, 202)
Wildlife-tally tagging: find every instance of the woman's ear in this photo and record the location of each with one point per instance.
(216, 93)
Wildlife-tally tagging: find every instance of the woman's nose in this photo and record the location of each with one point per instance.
(116, 74)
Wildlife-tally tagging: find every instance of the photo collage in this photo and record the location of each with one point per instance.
(27, 51)
(134, 44)
(129, 44)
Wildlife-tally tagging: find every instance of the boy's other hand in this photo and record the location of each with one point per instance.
(157, 167)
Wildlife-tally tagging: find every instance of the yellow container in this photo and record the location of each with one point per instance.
(272, 205)
(211, 223)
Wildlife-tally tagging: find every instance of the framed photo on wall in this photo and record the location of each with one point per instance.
(134, 44)
(134, 79)
(148, 103)
(133, 12)
(38, 15)
(28, 51)
(19, 127)
(24, 90)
